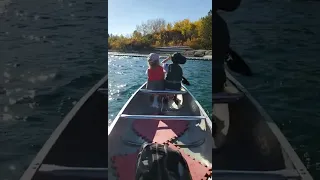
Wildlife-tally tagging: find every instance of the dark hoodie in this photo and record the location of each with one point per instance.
(221, 42)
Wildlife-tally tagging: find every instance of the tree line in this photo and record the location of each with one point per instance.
(156, 33)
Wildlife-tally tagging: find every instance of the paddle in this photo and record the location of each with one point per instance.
(185, 81)
(237, 64)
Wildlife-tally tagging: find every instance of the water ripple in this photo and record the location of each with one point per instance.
(52, 53)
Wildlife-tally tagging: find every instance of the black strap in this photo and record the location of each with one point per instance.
(158, 164)
(186, 171)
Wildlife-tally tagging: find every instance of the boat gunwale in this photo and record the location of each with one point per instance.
(37, 161)
(285, 145)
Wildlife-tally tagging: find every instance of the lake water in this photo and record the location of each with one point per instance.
(51, 53)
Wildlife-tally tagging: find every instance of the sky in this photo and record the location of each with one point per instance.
(125, 15)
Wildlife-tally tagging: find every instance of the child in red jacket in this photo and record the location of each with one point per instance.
(155, 76)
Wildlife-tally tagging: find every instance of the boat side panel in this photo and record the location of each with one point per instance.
(248, 127)
(299, 166)
(84, 142)
(250, 144)
(38, 160)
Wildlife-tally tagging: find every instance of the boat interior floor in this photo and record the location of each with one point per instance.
(195, 140)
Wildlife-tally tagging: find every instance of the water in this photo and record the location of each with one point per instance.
(51, 53)
(127, 74)
(280, 40)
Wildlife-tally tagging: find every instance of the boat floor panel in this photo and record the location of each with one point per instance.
(202, 151)
(193, 135)
(196, 132)
(198, 170)
(159, 131)
(124, 166)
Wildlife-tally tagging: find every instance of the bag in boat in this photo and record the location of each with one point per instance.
(178, 58)
(160, 162)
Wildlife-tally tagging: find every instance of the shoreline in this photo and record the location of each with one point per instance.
(190, 54)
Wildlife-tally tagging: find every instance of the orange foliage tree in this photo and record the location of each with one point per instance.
(157, 32)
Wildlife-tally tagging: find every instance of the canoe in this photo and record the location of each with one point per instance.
(79, 148)
(247, 142)
(184, 126)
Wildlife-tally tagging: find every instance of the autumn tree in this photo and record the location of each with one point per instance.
(205, 30)
(157, 32)
(151, 26)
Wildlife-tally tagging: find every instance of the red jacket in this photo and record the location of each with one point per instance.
(155, 74)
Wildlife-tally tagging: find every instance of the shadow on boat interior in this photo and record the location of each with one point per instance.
(83, 143)
(250, 144)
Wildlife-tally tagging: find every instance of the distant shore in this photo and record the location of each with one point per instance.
(194, 54)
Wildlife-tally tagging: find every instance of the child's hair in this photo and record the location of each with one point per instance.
(153, 64)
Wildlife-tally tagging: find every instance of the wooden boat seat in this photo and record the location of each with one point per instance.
(157, 117)
(162, 92)
(226, 97)
(83, 172)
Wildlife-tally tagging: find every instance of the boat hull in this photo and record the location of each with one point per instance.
(250, 145)
(247, 144)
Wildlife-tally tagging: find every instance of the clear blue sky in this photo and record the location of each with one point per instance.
(124, 15)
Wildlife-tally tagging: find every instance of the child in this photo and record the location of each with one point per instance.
(155, 76)
(174, 73)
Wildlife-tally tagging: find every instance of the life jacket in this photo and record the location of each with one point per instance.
(155, 74)
(174, 77)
